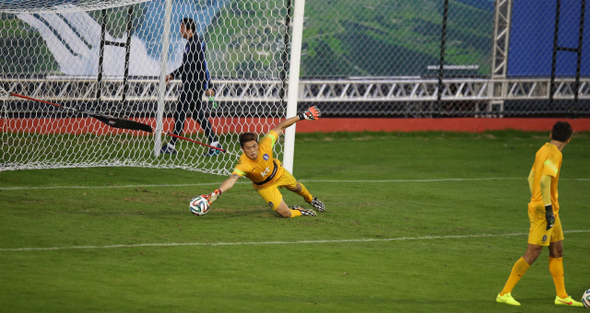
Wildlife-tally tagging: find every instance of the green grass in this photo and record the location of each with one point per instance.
(455, 186)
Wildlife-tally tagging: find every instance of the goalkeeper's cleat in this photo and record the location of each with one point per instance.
(567, 301)
(317, 204)
(304, 212)
(168, 149)
(211, 151)
(507, 298)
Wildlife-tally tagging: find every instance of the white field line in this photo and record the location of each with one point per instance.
(252, 243)
(301, 180)
(107, 187)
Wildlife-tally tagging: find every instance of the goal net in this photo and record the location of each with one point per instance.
(107, 58)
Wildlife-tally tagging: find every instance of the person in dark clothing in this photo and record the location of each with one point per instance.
(195, 81)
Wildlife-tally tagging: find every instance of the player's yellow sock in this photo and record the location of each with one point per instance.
(556, 269)
(518, 270)
(304, 193)
(295, 213)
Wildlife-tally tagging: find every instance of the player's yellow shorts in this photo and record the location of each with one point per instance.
(270, 191)
(538, 235)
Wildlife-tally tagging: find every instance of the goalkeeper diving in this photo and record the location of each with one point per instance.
(267, 174)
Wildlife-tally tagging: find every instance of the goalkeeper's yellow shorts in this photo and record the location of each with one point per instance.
(270, 192)
(538, 235)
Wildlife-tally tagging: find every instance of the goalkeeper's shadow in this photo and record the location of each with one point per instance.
(228, 213)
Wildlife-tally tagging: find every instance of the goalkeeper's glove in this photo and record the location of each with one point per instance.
(312, 113)
(212, 196)
(549, 216)
(213, 102)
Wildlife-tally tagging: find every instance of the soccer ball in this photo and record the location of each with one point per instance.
(586, 299)
(199, 206)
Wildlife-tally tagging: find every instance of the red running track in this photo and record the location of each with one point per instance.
(225, 125)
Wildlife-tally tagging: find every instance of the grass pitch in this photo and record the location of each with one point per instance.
(419, 222)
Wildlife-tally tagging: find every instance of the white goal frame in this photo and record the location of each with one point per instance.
(281, 103)
(293, 89)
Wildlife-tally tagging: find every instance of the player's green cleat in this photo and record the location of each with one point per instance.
(507, 298)
(567, 301)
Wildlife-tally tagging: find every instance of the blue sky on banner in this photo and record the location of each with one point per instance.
(74, 38)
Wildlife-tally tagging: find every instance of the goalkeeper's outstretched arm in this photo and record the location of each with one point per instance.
(312, 113)
(224, 187)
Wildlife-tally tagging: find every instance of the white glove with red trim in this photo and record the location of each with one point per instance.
(212, 196)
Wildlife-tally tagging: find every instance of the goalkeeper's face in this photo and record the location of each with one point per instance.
(250, 149)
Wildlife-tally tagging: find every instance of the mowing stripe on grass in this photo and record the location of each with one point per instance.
(274, 242)
(435, 180)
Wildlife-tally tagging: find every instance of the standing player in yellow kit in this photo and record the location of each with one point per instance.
(267, 173)
(545, 229)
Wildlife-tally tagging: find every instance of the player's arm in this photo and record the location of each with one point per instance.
(188, 63)
(174, 74)
(224, 187)
(546, 189)
(201, 66)
(311, 114)
(549, 172)
(229, 183)
(177, 73)
(546, 194)
(531, 180)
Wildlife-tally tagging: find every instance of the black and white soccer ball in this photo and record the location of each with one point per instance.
(586, 299)
(199, 206)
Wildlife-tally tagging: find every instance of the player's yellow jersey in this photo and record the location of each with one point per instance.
(265, 168)
(547, 162)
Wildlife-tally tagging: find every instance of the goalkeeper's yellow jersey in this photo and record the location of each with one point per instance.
(265, 168)
(547, 162)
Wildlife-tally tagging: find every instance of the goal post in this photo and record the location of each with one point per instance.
(57, 45)
(162, 81)
(293, 93)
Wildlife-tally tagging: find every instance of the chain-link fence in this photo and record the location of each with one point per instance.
(408, 58)
(448, 58)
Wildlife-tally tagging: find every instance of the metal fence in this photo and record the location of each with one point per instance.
(408, 58)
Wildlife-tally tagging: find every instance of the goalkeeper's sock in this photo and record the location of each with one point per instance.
(304, 193)
(295, 213)
(556, 269)
(518, 270)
